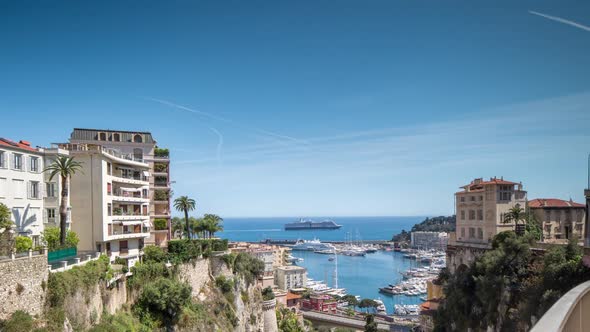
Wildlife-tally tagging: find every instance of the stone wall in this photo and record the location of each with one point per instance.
(22, 283)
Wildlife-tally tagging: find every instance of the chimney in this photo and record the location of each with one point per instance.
(27, 143)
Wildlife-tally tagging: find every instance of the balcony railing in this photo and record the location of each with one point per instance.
(94, 147)
(568, 313)
(130, 194)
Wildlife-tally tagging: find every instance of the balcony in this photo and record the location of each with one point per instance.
(129, 196)
(568, 314)
(137, 180)
(120, 234)
(116, 154)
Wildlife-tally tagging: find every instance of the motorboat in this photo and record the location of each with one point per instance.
(311, 245)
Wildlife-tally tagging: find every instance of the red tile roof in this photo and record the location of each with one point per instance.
(292, 296)
(478, 184)
(23, 145)
(553, 202)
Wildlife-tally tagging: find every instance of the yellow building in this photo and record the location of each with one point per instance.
(559, 219)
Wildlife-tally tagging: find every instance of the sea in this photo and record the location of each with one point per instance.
(359, 275)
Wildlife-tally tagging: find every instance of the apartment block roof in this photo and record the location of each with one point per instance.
(85, 134)
(21, 145)
(479, 184)
(553, 203)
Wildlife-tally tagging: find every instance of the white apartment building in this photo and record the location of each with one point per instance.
(429, 240)
(290, 277)
(21, 186)
(141, 147)
(110, 201)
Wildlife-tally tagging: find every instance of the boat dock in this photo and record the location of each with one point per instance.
(291, 242)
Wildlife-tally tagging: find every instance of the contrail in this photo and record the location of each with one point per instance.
(219, 143)
(214, 117)
(561, 20)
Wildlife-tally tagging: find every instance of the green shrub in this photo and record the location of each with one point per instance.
(182, 251)
(159, 167)
(23, 243)
(163, 300)
(160, 224)
(248, 267)
(154, 254)
(122, 321)
(147, 272)
(51, 238)
(268, 294)
(19, 321)
(61, 284)
(161, 195)
(224, 284)
(161, 152)
(5, 221)
(120, 261)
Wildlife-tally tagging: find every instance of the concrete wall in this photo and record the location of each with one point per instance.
(21, 287)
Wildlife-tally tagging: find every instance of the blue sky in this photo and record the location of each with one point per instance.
(302, 108)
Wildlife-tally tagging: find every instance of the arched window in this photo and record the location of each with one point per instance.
(117, 137)
(137, 138)
(102, 136)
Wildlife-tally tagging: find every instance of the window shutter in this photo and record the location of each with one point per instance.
(29, 189)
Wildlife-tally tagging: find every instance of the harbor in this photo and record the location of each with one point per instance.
(363, 276)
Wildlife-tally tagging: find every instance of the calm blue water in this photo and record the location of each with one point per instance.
(362, 275)
(359, 275)
(367, 228)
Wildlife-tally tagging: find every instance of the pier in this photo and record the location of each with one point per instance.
(291, 242)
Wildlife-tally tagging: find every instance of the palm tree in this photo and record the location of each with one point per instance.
(515, 214)
(65, 167)
(186, 204)
(177, 226)
(213, 224)
(197, 226)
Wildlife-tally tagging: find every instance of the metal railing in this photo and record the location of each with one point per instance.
(94, 147)
(568, 313)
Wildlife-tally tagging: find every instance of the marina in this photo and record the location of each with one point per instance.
(361, 275)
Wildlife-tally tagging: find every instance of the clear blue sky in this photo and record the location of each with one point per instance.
(317, 107)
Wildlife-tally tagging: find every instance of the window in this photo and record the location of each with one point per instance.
(19, 188)
(471, 232)
(137, 138)
(471, 214)
(462, 199)
(33, 164)
(2, 159)
(109, 169)
(109, 209)
(34, 189)
(50, 189)
(547, 215)
(109, 188)
(50, 215)
(123, 245)
(472, 198)
(102, 136)
(117, 137)
(481, 198)
(17, 161)
(3, 187)
(479, 214)
(462, 215)
(462, 232)
(480, 233)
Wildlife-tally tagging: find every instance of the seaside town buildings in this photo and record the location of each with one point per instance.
(26, 190)
(481, 207)
(111, 200)
(560, 219)
(139, 147)
(429, 240)
(290, 277)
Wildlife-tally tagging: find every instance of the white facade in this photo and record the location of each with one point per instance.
(290, 277)
(110, 202)
(21, 186)
(429, 240)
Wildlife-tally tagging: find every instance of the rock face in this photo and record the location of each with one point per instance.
(86, 307)
(22, 283)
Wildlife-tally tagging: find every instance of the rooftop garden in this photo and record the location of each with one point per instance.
(161, 152)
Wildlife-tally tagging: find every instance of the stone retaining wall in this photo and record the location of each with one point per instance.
(22, 283)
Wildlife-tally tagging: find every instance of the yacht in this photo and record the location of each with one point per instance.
(311, 245)
(380, 306)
